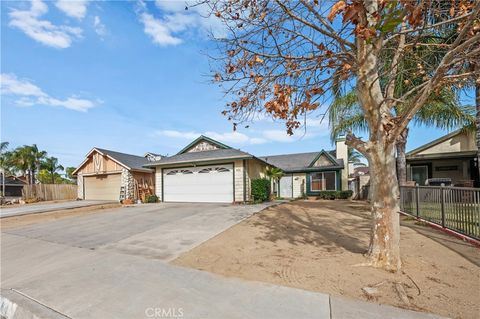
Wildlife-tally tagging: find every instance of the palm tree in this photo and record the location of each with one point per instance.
(355, 157)
(69, 172)
(441, 111)
(27, 159)
(4, 146)
(52, 166)
(38, 156)
(274, 173)
(3, 163)
(23, 160)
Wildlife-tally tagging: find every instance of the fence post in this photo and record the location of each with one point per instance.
(417, 195)
(442, 198)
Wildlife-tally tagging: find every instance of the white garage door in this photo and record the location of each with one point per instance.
(210, 184)
(102, 187)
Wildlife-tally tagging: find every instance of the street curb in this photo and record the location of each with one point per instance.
(58, 209)
(15, 305)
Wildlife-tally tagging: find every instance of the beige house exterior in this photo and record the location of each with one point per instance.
(308, 174)
(452, 157)
(207, 171)
(110, 175)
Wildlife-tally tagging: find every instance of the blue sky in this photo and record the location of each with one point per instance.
(126, 76)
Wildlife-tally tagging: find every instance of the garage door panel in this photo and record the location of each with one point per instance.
(199, 184)
(102, 187)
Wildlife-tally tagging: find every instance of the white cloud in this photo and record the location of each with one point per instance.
(43, 31)
(174, 6)
(175, 21)
(29, 94)
(73, 8)
(99, 27)
(158, 31)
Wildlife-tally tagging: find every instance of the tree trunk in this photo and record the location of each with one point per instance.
(384, 250)
(401, 163)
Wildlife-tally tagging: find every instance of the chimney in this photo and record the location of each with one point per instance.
(342, 153)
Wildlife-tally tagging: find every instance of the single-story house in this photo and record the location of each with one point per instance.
(452, 157)
(309, 173)
(207, 171)
(13, 186)
(109, 175)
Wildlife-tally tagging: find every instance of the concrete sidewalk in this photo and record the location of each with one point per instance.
(99, 283)
(43, 208)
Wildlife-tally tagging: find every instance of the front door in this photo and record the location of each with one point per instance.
(286, 186)
(419, 174)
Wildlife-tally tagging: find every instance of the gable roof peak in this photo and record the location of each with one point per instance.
(204, 138)
(327, 154)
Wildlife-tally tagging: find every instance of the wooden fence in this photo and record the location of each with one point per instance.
(49, 191)
(455, 208)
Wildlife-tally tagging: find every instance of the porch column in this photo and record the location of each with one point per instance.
(465, 167)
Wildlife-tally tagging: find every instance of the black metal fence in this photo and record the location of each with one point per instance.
(455, 208)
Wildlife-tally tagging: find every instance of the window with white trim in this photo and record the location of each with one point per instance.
(174, 172)
(323, 181)
(222, 169)
(186, 171)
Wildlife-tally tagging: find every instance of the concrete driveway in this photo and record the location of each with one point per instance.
(113, 265)
(160, 231)
(48, 207)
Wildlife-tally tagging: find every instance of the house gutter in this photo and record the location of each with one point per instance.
(193, 163)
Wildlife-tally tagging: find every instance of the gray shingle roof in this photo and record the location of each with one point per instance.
(299, 161)
(218, 154)
(132, 161)
(11, 181)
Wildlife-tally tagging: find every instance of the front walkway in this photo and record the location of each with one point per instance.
(50, 207)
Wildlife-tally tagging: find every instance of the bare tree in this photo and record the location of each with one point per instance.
(287, 58)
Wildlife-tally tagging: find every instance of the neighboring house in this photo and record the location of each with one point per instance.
(358, 181)
(152, 157)
(451, 157)
(207, 171)
(309, 173)
(109, 175)
(13, 186)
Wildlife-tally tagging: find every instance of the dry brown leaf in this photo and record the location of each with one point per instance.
(336, 9)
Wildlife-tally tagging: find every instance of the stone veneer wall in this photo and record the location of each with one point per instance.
(80, 186)
(127, 181)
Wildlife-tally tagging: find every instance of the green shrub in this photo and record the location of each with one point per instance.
(345, 194)
(334, 194)
(260, 189)
(151, 199)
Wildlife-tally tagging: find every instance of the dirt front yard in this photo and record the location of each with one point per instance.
(319, 246)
